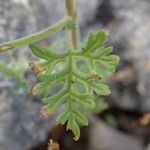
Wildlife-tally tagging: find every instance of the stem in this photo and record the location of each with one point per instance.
(73, 34)
(37, 36)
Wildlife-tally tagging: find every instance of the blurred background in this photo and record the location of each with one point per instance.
(125, 125)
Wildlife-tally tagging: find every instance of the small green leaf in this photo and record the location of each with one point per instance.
(52, 99)
(73, 126)
(80, 118)
(94, 41)
(100, 106)
(40, 52)
(112, 59)
(55, 103)
(86, 103)
(39, 88)
(102, 51)
(62, 118)
(89, 42)
(101, 89)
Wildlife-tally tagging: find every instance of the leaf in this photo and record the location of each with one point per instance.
(52, 77)
(73, 126)
(94, 41)
(39, 88)
(100, 105)
(51, 87)
(89, 42)
(101, 89)
(62, 118)
(102, 51)
(109, 62)
(76, 130)
(80, 118)
(112, 59)
(40, 52)
(80, 75)
(86, 103)
(55, 102)
(53, 99)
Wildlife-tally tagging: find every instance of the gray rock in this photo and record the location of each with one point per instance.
(21, 125)
(16, 21)
(50, 11)
(104, 137)
(148, 147)
(47, 12)
(132, 27)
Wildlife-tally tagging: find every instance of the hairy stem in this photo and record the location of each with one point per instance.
(73, 34)
(37, 36)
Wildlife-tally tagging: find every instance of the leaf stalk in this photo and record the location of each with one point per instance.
(37, 36)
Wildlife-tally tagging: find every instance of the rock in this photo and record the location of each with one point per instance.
(104, 137)
(129, 20)
(131, 25)
(47, 12)
(148, 147)
(16, 21)
(21, 125)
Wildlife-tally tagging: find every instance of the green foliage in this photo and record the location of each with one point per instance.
(15, 70)
(73, 77)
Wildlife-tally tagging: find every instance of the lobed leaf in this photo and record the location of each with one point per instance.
(94, 41)
(62, 118)
(74, 127)
(81, 119)
(101, 89)
(40, 52)
(82, 74)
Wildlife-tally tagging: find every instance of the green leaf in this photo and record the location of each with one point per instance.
(81, 119)
(109, 62)
(40, 52)
(74, 127)
(53, 99)
(39, 88)
(89, 42)
(102, 51)
(62, 118)
(94, 41)
(52, 77)
(50, 87)
(55, 102)
(100, 106)
(101, 89)
(81, 74)
(112, 59)
(86, 103)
